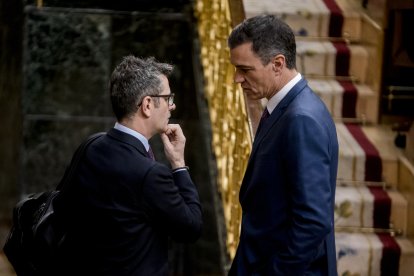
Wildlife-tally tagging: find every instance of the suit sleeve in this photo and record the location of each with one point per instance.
(175, 201)
(307, 154)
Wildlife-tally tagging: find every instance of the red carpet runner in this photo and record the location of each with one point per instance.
(349, 99)
(382, 203)
(350, 95)
(336, 20)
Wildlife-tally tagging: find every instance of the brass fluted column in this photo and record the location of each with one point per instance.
(231, 127)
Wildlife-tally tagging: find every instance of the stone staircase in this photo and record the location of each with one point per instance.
(339, 51)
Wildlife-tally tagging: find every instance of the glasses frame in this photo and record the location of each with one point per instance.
(169, 98)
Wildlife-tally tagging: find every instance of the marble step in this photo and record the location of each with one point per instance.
(374, 254)
(312, 17)
(367, 153)
(370, 207)
(325, 58)
(347, 99)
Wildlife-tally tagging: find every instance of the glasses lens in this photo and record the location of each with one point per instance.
(171, 99)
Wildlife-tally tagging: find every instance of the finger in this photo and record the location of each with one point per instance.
(167, 130)
(164, 138)
(176, 128)
(171, 128)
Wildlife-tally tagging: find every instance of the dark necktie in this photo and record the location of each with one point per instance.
(265, 115)
(150, 153)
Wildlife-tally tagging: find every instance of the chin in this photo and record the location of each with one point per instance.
(164, 129)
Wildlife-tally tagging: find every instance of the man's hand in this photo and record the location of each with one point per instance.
(174, 144)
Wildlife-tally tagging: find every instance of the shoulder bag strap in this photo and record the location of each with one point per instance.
(77, 156)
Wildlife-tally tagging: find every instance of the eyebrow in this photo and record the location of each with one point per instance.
(241, 66)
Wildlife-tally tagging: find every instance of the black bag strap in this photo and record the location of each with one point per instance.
(77, 156)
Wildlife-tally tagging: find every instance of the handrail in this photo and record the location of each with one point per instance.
(351, 229)
(346, 183)
(326, 38)
(359, 120)
(332, 77)
(392, 88)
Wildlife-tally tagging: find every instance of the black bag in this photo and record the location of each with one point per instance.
(32, 238)
(35, 236)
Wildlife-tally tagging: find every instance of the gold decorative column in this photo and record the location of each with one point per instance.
(231, 130)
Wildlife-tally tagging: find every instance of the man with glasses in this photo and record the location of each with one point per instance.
(127, 203)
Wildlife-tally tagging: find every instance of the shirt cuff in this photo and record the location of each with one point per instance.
(185, 168)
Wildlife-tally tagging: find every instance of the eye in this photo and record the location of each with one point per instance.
(243, 70)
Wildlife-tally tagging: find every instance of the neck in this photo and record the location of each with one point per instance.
(285, 77)
(137, 125)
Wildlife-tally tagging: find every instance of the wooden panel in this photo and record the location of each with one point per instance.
(406, 187)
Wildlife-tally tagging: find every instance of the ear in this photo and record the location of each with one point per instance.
(146, 106)
(278, 63)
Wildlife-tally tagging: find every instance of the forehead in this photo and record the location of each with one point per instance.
(243, 55)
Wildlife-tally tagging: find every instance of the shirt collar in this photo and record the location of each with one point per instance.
(278, 97)
(134, 133)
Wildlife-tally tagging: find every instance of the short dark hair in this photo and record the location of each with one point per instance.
(132, 80)
(269, 35)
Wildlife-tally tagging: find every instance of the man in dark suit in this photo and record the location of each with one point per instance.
(123, 206)
(288, 191)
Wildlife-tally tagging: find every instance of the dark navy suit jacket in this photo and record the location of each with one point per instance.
(121, 209)
(288, 192)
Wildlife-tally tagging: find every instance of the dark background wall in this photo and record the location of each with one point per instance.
(11, 51)
(55, 62)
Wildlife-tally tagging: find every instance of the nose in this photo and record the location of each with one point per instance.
(172, 107)
(238, 78)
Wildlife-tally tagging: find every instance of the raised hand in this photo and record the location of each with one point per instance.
(174, 144)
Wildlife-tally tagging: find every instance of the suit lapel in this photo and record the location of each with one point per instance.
(277, 113)
(267, 125)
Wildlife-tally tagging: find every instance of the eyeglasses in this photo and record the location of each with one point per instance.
(169, 98)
